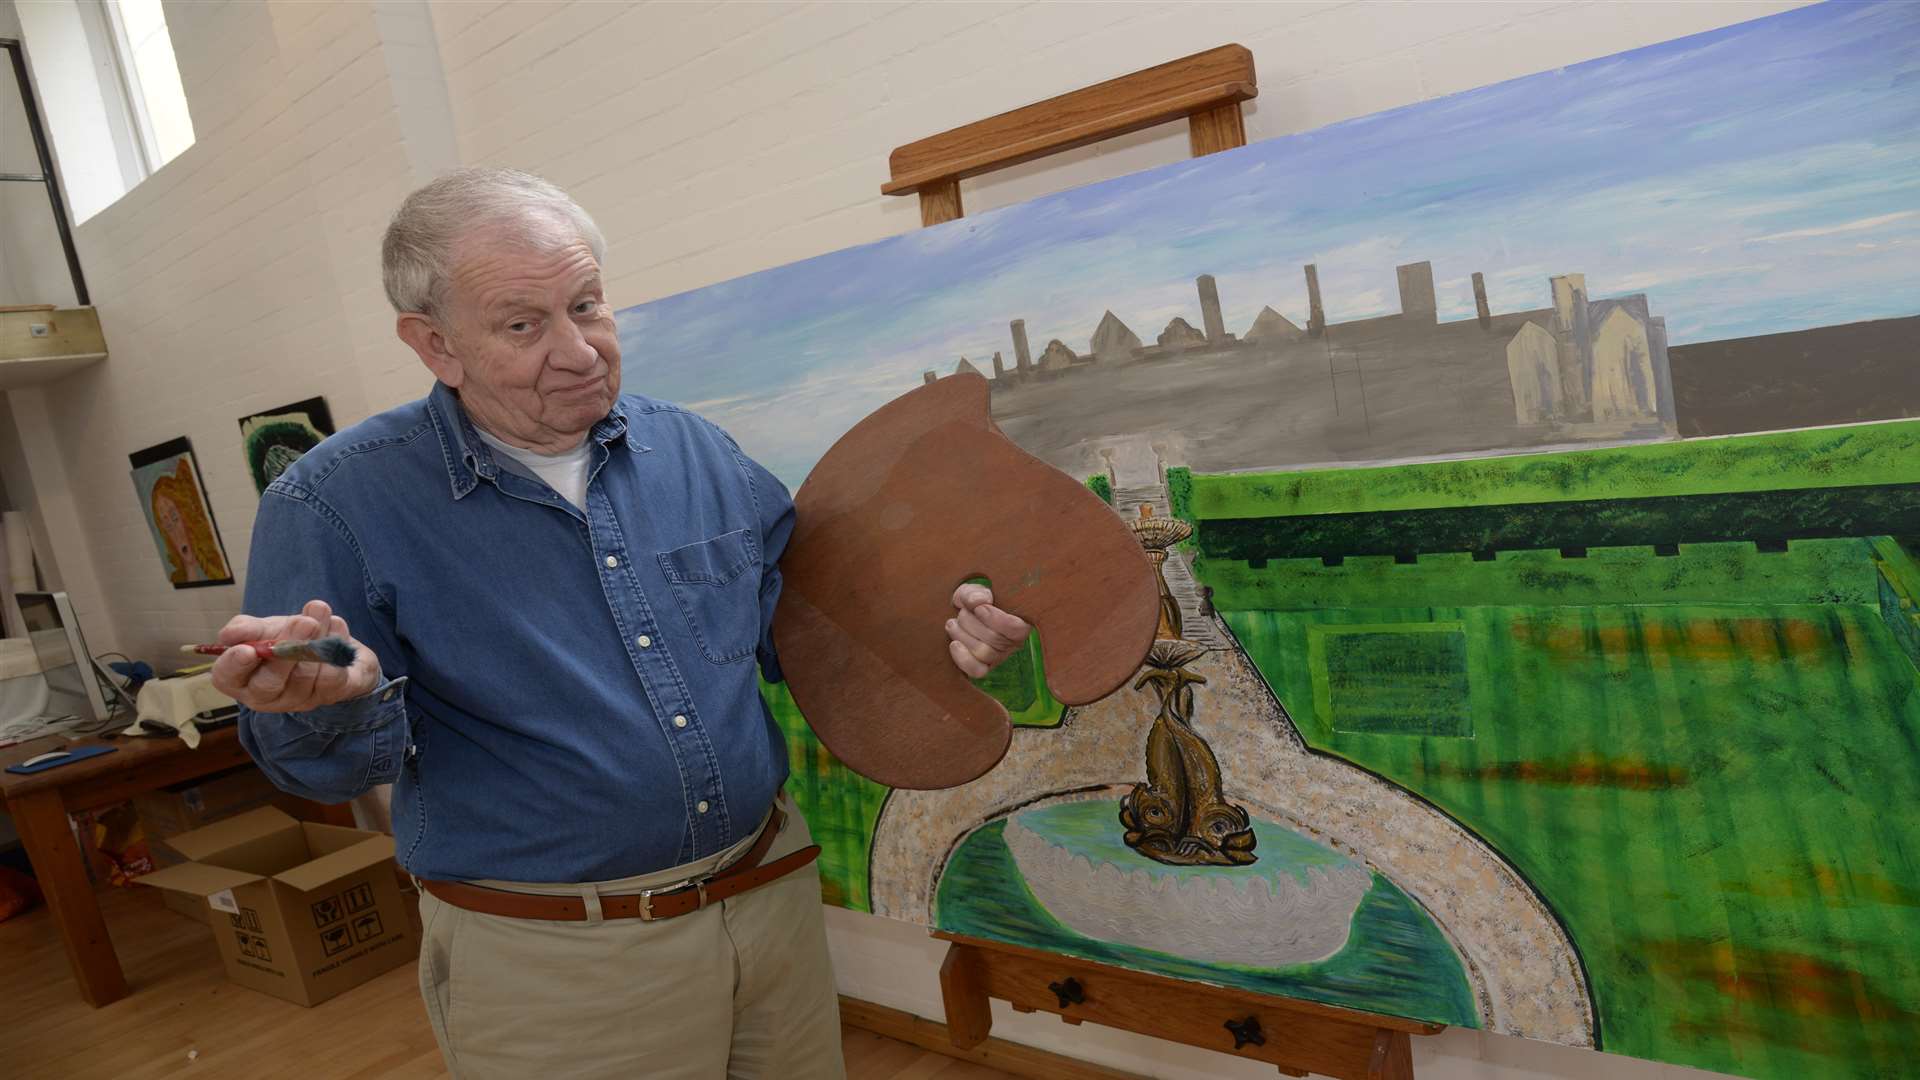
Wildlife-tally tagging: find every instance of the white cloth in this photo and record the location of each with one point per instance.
(175, 702)
(565, 472)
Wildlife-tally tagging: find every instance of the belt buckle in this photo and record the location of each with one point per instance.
(647, 895)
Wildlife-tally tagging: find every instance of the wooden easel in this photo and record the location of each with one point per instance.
(1206, 88)
(1296, 1036)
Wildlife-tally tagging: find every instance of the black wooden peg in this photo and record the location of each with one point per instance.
(1246, 1031)
(1070, 992)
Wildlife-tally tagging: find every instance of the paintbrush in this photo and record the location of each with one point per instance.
(337, 651)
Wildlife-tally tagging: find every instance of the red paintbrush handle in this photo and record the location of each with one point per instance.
(261, 649)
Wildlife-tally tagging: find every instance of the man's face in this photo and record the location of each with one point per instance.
(531, 340)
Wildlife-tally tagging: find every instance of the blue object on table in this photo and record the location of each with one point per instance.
(137, 673)
(68, 755)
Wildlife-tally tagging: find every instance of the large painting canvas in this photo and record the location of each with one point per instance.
(1537, 475)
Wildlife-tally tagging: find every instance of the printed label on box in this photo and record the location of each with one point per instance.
(336, 940)
(359, 898)
(224, 901)
(326, 911)
(254, 946)
(367, 926)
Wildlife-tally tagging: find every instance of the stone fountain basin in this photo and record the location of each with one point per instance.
(1294, 906)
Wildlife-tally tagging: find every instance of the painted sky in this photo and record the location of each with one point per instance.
(1759, 178)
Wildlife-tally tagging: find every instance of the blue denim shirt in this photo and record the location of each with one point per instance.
(569, 696)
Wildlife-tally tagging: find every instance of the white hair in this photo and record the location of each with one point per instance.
(416, 256)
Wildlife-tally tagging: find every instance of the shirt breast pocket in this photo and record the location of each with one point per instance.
(717, 586)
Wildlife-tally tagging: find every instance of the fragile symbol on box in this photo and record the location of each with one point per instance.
(360, 897)
(336, 940)
(326, 911)
(366, 926)
(254, 947)
(245, 919)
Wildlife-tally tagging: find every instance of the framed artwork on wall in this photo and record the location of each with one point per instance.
(275, 439)
(173, 499)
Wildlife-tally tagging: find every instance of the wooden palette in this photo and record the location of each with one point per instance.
(917, 498)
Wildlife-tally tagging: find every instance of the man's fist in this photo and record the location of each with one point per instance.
(281, 686)
(982, 636)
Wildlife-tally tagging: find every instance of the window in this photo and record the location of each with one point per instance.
(111, 93)
(150, 79)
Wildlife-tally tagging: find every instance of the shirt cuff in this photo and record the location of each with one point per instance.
(365, 713)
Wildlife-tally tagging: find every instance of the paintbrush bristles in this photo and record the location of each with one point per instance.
(335, 651)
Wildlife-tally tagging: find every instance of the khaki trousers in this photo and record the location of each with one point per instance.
(742, 989)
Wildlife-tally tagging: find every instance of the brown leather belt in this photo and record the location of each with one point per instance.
(648, 905)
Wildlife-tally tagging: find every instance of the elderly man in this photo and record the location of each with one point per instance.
(560, 594)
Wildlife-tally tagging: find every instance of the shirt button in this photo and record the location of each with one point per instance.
(679, 721)
(703, 807)
(613, 561)
(643, 641)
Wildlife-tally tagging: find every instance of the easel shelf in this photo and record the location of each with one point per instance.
(1206, 88)
(1297, 1037)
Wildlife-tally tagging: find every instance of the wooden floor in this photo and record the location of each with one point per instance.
(183, 1004)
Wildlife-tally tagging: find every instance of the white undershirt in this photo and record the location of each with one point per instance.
(565, 472)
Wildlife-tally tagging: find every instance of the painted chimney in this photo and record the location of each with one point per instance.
(930, 377)
(1564, 287)
(1480, 308)
(1316, 315)
(1416, 292)
(1022, 359)
(1576, 356)
(999, 368)
(1216, 327)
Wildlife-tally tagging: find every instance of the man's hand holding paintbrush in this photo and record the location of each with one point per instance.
(278, 686)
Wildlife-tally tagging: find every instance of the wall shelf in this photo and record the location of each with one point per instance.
(31, 371)
(70, 340)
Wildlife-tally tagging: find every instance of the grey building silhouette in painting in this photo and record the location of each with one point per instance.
(1405, 384)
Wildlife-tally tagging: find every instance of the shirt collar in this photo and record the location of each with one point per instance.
(470, 460)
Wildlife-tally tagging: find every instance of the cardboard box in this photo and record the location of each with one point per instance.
(193, 907)
(303, 911)
(184, 807)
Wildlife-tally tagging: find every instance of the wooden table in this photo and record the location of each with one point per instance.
(41, 802)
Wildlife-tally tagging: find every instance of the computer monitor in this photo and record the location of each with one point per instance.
(72, 680)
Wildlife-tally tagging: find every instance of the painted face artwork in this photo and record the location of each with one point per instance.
(174, 525)
(177, 516)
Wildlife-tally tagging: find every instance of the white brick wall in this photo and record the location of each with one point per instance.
(711, 141)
